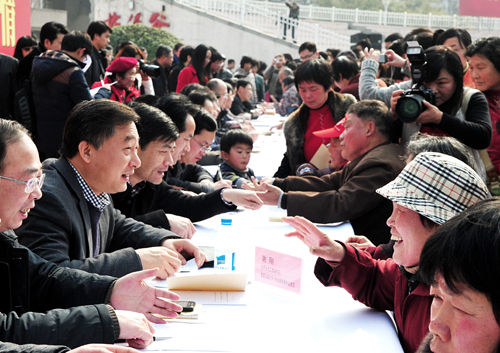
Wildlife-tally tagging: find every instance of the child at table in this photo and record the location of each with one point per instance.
(235, 148)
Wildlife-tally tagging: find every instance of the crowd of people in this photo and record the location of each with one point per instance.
(117, 143)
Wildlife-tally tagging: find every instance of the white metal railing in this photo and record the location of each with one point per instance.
(275, 23)
(385, 18)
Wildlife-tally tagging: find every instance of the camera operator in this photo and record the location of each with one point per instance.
(458, 112)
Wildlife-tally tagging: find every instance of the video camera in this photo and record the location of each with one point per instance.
(410, 105)
(151, 70)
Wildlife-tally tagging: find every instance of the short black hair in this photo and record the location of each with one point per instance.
(200, 96)
(464, 251)
(488, 48)
(178, 45)
(245, 60)
(177, 107)
(204, 121)
(262, 66)
(424, 37)
(242, 83)
(98, 27)
(75, 40)
(230, 61)
(94, 121)
(333, 52)
(190, 88)
(345, 66)
(288, 56)
(185, 52)
(376, 111)
(154, 125)
(147, 99)
(392, 37)
(216, 56)
(162, 50)
(10, 132)
(317, 71)
(462, 35)
(309, 46)
(50, 30)
(233, 137)
(365, 43)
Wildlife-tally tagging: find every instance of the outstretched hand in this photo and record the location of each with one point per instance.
(132, 293)
(319, 243)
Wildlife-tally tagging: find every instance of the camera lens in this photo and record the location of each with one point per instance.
(410, 108)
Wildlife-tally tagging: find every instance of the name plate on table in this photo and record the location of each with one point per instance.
(278, 270)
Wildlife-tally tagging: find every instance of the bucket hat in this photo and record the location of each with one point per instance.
(437, 186)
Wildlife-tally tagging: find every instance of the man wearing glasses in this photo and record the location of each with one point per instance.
(151, 200)
(308, 51)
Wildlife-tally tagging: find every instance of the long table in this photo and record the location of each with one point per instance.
(272, 320)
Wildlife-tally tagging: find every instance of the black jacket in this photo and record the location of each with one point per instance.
(96, 70)
(189, 176)
(160, 83)
(58, 85)
(41, 303)
(25, 65)
(153, 201)
(8, 69)
(174, 75)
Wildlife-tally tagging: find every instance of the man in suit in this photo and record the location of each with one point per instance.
(45, 304)
(148, 197)
(80, 227)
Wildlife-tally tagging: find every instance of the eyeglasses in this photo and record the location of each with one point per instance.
(307, 57)
(30, 184)
(203, 148)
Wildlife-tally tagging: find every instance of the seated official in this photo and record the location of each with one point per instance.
(148, 197)
(242, 100)
(44, 304)
(349, 194)
(431, 190)
(460, 262)
(75, 224)
(190, 177)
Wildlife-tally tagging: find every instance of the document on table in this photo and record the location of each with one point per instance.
(214, 298)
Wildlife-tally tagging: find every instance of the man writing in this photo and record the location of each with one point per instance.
(80, 227)
(45, 304)
(348, 194)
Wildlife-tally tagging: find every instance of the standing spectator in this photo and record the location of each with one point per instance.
(290, 101)
(164, 58)
(8, 69)
(51, 36)
(58, 85)
(24, 46)
(185, 59)
(197, 71)
(293, 15)
(244, 71)
(99, 33)
(231, 64)
(259, 81)
(145, 53)
(271, 76)
(225, 72)
(459, 40)
(308, 51)
(177, 51)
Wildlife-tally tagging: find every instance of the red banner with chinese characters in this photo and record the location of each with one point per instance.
(487, 8)
(15, 22)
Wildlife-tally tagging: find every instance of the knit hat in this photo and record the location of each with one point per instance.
(122, 64)
(333, 132)
(437, 186)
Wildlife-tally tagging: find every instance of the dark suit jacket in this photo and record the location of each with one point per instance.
(152, 202)
(59, 229)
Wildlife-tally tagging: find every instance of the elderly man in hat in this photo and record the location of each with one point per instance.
(429, 191)
(121, 81)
